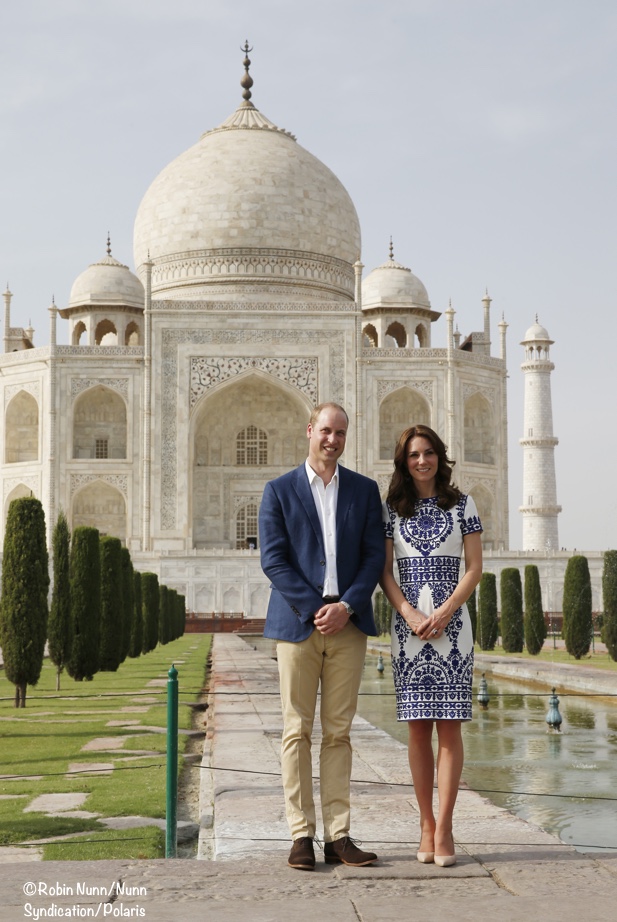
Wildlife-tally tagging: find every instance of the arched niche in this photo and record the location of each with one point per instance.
(21, 429)
(422, 336)
(246, 527)
(370, 339)
(99, 424)
(100, 505)
(204, 600)
(132, 334)
(479, 432)
(232, 601)
(219, 482)
(78, 331)
(259, 602)
(485, 505)
(402, 408)
(106, 333)
(21, 491)
(397, 332)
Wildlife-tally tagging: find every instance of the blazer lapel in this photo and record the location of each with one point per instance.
(343, 504)
(305, 495)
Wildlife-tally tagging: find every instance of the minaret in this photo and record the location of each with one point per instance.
(539, 509)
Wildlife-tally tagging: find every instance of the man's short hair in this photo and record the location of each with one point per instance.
(327, 406)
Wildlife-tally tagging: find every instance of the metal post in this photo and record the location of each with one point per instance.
(172, 764)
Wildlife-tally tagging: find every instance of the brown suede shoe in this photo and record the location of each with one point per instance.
(302, 855)
(346, 850)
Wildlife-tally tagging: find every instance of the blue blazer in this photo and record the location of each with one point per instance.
(293, 554)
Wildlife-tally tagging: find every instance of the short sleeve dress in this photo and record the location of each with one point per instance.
(432, 678)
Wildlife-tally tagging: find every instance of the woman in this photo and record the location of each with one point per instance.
(429, 523)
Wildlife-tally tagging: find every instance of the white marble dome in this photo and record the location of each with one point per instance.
(393, 285)
(247, 208)
(537, 332)
(108, 283)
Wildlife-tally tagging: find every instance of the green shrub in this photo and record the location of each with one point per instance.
(609, 594)
(85, 582)
(488, 626)
(577, 615)
(512, 632)
(25, 583)
(534, 623)
(59, 636)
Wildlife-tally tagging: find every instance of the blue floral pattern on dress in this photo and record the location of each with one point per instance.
(432, 678)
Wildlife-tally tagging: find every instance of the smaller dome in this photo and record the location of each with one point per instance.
(108, 283)
(394, 285)
(537, 332)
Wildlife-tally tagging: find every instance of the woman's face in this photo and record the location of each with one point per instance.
(422, 463)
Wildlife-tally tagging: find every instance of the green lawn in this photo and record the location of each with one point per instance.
(42, 739)
(551, 655)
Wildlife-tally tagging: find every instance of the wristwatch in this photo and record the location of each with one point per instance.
(350, 610)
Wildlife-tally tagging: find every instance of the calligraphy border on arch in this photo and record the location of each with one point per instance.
(172, 339)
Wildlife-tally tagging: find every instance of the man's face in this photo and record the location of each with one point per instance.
(327, 437)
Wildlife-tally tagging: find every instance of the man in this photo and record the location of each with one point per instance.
(322, 547)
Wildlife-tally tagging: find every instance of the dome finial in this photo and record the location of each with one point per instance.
(108, 244)
(391, 248)
(247, 81)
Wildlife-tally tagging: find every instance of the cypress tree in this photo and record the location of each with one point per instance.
(111, 603)
(128, 602)
(472, 608)
(577, 615)
(25, 582)
(164, 614)
(609, 594)
(181, 614)
(59, 637)
(150, 605)
(488, 625)
(137, 622)
(85, 581)
(534, 623)
(512, 632)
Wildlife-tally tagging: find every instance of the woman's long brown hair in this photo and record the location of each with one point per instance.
(402, 493)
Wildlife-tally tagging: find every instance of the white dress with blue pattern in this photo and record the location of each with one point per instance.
(432, 678)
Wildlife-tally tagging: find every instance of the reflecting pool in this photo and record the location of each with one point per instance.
(564, 782)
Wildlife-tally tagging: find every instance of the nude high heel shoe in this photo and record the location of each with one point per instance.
(445, 861)
(425, 857)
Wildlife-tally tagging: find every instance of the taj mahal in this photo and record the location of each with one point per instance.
(187, 384)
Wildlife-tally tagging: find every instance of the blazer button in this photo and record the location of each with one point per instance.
(320, 587)
(322, 563)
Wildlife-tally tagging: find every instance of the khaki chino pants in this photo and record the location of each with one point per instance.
(336, 662)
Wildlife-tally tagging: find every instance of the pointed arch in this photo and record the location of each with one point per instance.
(78, 331)
(246, 527)
(100, 505)
(99, 424)
(485, 504)
(370, 339)
(106, 333)
(132, 334)
(479, 433)
(402, 408)
(398, 333)
(21, 429)
(274, 417)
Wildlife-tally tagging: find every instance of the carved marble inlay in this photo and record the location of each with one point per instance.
(470, 483)
(30, 387)
(31, 483)
(119, 481)
(172, 339)
(207, 372)
(79, 385)
(243, 499)
(470, 389)
(386, 387)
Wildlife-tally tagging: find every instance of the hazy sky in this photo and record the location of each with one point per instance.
(480, 134)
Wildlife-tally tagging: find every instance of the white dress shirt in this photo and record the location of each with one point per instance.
(326, 498)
